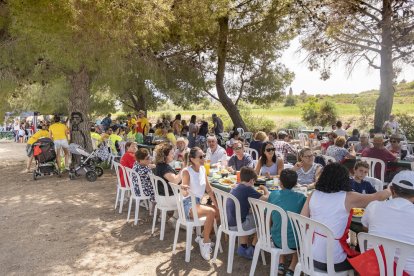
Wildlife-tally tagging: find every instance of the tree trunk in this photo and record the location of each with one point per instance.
(79, 108)
(385, 100)
(227, 103)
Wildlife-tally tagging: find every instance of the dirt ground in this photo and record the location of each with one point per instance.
(56, 226)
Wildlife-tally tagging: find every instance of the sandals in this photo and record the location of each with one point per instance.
(281, 269)
(289, 272)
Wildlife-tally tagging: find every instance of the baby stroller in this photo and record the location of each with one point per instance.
(45, 157)
(88, 164)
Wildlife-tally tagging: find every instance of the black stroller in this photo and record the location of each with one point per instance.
(45, 157)
(88, 164)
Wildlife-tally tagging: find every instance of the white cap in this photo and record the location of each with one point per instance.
(404, 179)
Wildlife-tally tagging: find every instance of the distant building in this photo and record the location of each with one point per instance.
(290, 91)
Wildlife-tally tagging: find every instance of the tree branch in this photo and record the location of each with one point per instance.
(369, 6)
(371, 62)
(356, 45)
(242, 84)
(403, 54)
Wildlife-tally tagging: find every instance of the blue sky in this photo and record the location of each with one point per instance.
(362, 78)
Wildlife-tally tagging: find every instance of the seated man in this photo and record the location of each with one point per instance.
(363, 143)
(288, 200)
(240, 158)
(215, 153)
(182, 148)
(242, 192)
(282, 146)
(394, 219)
(358, 184)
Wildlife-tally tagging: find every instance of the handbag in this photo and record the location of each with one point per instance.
(366, 264)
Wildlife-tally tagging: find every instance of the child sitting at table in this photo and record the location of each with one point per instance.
(288, 200)
(358, 184)
(242, 192)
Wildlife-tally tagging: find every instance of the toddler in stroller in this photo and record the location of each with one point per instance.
(45, 157)
(88, 164)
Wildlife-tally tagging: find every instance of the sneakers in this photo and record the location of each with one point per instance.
(245, 252)
(205, 250)
(199, 238)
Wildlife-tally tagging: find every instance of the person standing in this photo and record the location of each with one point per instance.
(391, 126)
(106, 122)
(131, 122)
(177, 127)
(218, 124)
(192, 131)
(59, 133)
(142, 125)
(16, 128)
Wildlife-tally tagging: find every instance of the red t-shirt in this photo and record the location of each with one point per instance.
(127, 160)
(383, 154)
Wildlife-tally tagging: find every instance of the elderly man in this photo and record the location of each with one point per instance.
(394, 218)
(283, 147)
(182, 148)
(379, 152)
(363, 143)
(215, 153)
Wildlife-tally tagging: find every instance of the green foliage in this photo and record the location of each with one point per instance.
(328, 114)
(310, 111)
(366, 107)
(167, 115)
(406, 125)
(292, 125)
(290, 101)
(257, 123)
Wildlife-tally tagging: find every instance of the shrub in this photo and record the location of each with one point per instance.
(406, 125)
(327, 114)
(366, 107)
(290, 101)
(292, 125)
(310, 111)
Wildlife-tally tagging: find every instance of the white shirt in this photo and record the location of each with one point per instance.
(393, 126)
(216, 156)
(197, 181)
(393, 219)
(340, 132)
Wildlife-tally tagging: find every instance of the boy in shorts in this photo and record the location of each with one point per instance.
(242, 192)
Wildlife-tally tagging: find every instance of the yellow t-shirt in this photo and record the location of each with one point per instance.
(132, 123)
(142, 124)
(171, 137)
(158, 132)
(58, 131)
(97, 137)
(39, 134)
(114, 138)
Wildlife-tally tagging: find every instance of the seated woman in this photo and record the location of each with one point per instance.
(195, 180)
(331, 205)
(128, 159)
(308, 171)
(234, 136)
(338, 151)
(268, 164)
(164, 154)
(240, 158)
(142, 167)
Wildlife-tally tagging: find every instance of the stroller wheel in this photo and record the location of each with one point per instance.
(71, 176)
(99, 171)
(34, 175)
(91, 176)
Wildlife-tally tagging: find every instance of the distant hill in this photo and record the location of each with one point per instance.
(403, 89)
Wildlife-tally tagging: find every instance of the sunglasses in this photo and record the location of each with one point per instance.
(202, 156)
(308, 156)
(270, 149)
(393, 141)
(237, 148)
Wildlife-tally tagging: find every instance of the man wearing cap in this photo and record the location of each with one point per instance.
(215, 153)
(379, 152)
(394, 219)
(182, 148)
(283, 147)
(363, 143)
(142, 125)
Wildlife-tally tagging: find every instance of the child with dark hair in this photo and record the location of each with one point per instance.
(358, 184)
(291, 201)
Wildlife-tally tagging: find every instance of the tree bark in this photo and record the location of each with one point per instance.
(79, 105)
(385, 100)
(227, 103)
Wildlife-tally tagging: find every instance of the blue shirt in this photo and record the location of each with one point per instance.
(363, 186)
(288, 200)
(237, 164)
(242, 193)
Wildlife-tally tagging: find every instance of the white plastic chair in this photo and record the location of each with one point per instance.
(248, 136)
(287, 166)
(134, 196)
(304, 233)
(113, 156)
(120, 191)
(240, 130)
(122, 147)
(159, 206)
(222, 198)
(373, 162)
(262, 212)
(328, 159)
(394, 251)
(378, 184)
(254, 154)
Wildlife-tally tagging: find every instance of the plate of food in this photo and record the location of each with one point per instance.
(358, 212)
(226, 181)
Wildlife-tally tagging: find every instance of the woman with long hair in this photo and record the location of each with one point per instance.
(268, 164)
